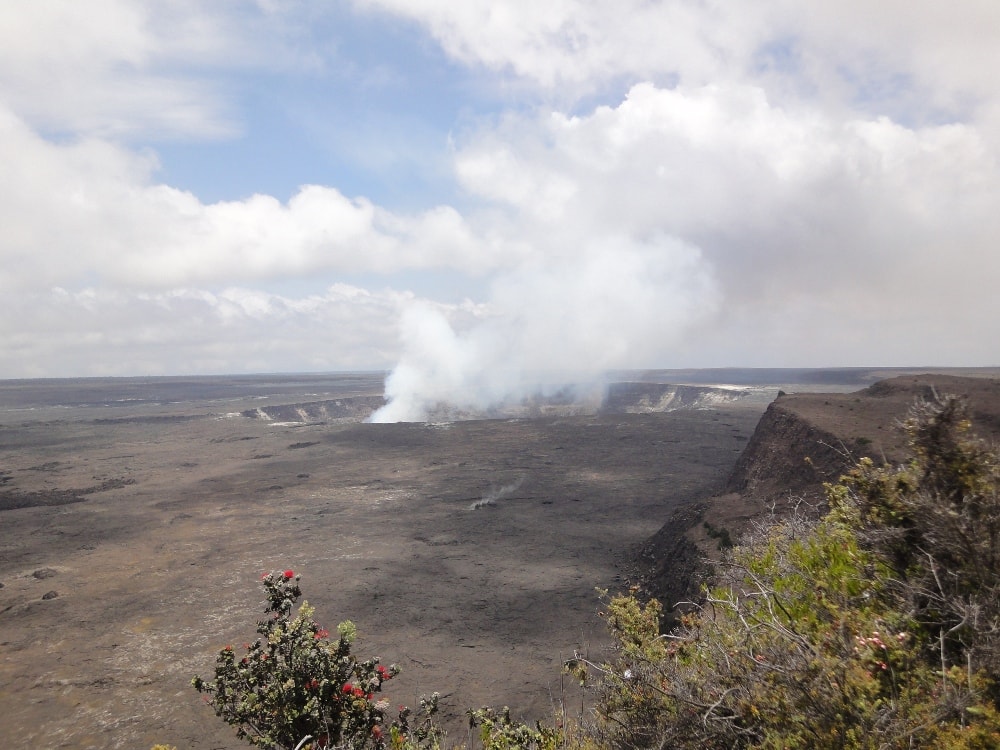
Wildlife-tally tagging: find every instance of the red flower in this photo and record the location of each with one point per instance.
(322, 633)
(348, 688)
(289, 574)
(377, 732)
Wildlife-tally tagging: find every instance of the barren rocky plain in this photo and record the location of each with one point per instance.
(136, 517)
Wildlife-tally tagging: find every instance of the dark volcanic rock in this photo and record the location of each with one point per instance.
(13, 499)
(482, 605)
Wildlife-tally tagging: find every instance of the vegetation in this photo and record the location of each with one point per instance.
(721, 534)
(875, 626)
(296, 688)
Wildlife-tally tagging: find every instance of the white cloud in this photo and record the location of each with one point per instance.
(938, 51)
(766, 192)
(808, 241)
(99, 215)
(98, 332)
(111, 67)
(919, 59)
(765, 184)
(581, 44)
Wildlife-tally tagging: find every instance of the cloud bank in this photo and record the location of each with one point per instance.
(665, 184)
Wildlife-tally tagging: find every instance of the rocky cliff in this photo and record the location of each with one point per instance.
(349, 409)
(640, 398)
(801, 441)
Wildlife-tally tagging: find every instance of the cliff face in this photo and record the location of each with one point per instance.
(349, 408)
(639, 398)
(787, 456)
(801, 441)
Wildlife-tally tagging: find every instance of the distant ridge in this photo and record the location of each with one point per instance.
(761, 376)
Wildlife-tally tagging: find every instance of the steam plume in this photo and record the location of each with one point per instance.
(498, 494)
(614, 304)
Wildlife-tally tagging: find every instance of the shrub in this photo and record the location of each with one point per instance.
(723, 536)
(834, 633)
(295, 688)
(497, 731)
(936, 522)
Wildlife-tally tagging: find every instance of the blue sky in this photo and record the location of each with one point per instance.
(372, 116)
(467, 194)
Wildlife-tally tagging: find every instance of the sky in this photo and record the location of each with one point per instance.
(469, 194)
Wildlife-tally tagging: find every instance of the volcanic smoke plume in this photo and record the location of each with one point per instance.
(498, 494)
(619, 303)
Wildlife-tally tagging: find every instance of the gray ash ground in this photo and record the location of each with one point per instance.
(136, 517)
(111, 602)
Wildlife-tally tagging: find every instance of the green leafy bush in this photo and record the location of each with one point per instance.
(936, 523)
(497, 731)
(293, 687)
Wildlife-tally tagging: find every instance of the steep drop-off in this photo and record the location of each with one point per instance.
(801, 442)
